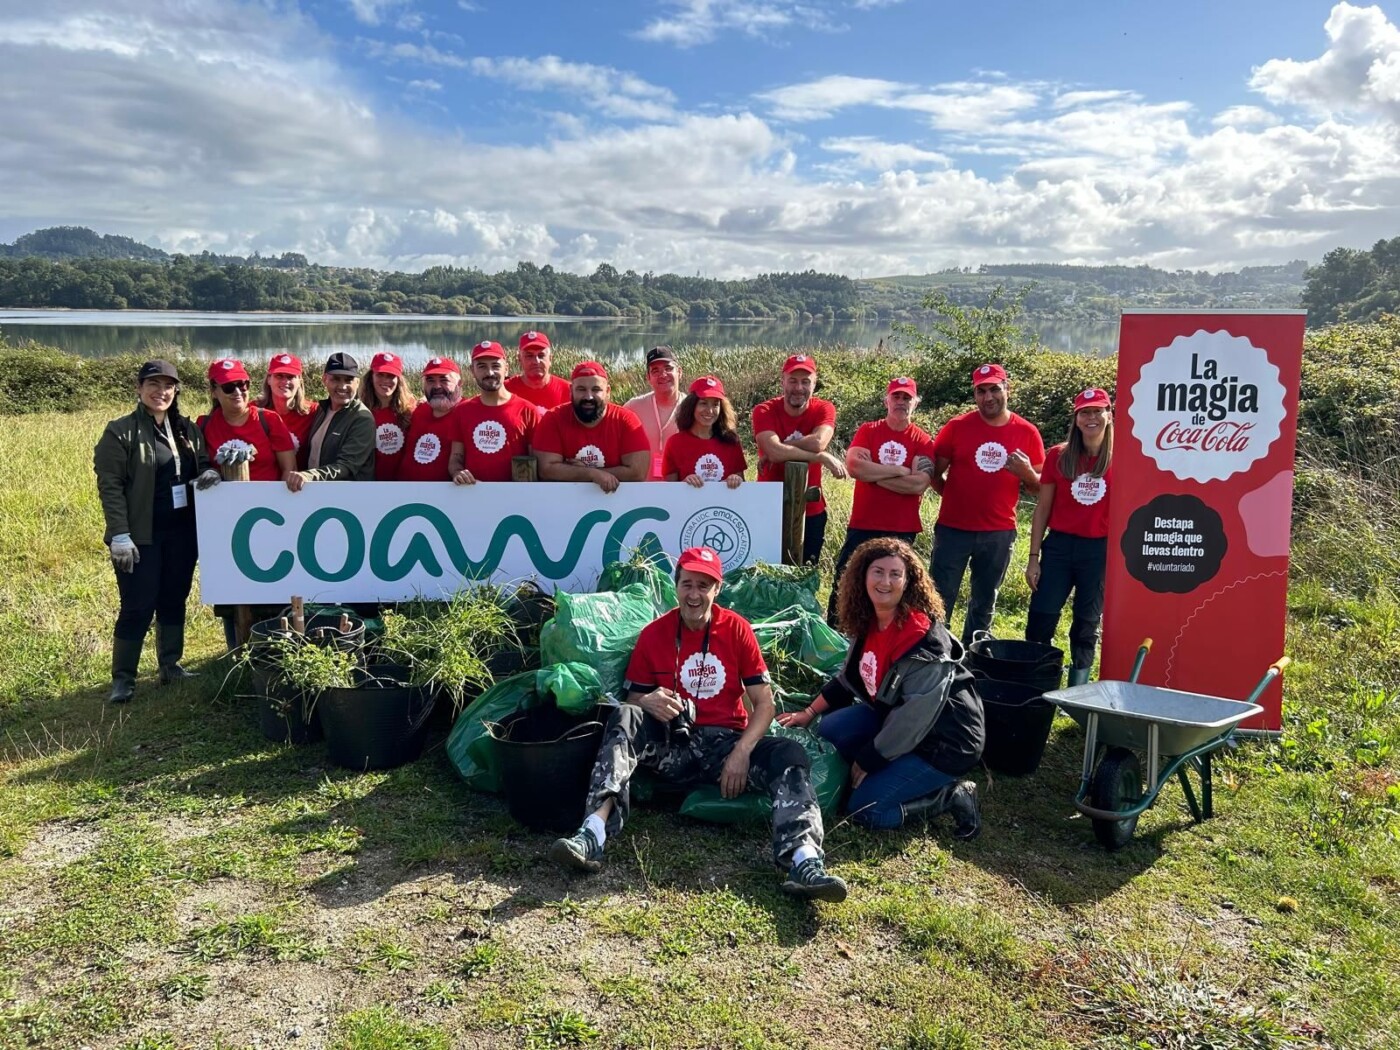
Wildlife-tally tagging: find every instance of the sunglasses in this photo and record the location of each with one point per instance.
(228, 388)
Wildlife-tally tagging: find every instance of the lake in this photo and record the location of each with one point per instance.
(254, 337)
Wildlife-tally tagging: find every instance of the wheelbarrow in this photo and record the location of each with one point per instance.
(1175, 730)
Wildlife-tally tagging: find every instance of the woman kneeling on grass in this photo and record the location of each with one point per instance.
(903, 711)
(1073, 504)
(145, 463)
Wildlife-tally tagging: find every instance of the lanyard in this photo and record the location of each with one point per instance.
(660, 426)
(174, 448)
(704, 645)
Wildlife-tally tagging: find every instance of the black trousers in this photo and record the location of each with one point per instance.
(813, 537)
(159, 585)
(1077, 563)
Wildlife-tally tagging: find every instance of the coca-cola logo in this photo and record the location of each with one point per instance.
(702, 676)
(1207, 406)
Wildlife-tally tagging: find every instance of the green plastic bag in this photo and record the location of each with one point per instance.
(572, 687)
(654, 572)
(758, 591)
(801, 651)
(599, 630)
(829, 774)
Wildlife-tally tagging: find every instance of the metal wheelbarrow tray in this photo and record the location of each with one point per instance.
(1175, 730)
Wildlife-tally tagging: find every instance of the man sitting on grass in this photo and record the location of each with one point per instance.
(697, 712)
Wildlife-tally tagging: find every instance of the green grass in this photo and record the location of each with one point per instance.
(148, 855)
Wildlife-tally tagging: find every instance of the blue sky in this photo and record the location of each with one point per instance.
(720, 136)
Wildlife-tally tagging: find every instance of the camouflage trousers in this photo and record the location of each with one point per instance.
(778, 767)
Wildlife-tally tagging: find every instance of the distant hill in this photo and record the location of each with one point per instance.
(78, 242)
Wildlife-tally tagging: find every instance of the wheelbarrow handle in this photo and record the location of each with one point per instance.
(1274, 670)
(1143, 650)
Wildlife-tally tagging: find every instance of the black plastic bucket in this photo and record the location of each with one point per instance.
(379, 724)
(546, 758)
(1012, 660)
(281, 712)
(1018, 724)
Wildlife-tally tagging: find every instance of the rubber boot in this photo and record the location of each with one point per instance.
(230, 633)
(929, 805)
(1079, 675)
(959, 799)
(170, 646)
(126, 657)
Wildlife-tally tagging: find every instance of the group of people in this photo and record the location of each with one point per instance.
(903, 712)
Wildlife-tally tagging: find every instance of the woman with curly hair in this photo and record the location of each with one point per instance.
(903, 711)
(387, 396)
(706, 444)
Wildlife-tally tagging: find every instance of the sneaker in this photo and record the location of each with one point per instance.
(810, 879)
(581, 851)
(967, 819)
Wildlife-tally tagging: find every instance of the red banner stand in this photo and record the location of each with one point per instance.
(1205, 421)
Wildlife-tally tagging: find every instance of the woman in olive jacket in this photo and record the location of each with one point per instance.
(146, 462)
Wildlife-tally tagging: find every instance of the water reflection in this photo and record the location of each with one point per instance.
(312, 336)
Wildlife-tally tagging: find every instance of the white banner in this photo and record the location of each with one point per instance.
(388, 541)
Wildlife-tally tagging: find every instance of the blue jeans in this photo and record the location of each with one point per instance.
(878, 802)
(989, 554)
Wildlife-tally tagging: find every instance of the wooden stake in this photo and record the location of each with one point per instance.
(524, 468)
(298, 614)
(794, 511)
(242, 614)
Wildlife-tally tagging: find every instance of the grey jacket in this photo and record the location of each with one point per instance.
(125, 463)
(347, 453)
(930, 703)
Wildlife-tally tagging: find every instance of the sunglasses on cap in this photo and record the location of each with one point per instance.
(237, 384)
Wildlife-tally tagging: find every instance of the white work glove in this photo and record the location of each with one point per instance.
(234, 454)
(207, 480)
(124, 552)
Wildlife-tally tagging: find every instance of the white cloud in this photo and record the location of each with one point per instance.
(1359, 71)
(610, 91)
(1245, 117)
(869, 5)
(423, 54)
(701, 21)
(868, 152)
(236, 129)
(372, 12)
(817, 99)
(424, 85)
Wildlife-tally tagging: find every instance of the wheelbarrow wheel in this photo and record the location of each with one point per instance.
(1117, 783)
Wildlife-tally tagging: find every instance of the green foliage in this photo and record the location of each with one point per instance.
(1349, 394)
(382, 1028)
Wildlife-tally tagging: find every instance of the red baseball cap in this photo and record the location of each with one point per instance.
(588, 368)
(800, 363)
(386, 362)
(284, 365)
(902, 384)
(707, 386)
(703, 560)
(989, 373)
(228, 370)
(441, 366)
(1092, 398)
(530, 339)
(486, 348)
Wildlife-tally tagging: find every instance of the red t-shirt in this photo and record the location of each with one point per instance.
(712, 459)
(428, 445)
(298, 425)
(389, 443)
(979, 494)
(714, 680)
(771, 415)
(276, 438)
(881, 648)
(554, 393)
(492, 434)
(874, 507)
(601, 445)
(1079, 506)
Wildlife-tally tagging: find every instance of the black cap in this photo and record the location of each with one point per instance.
(342, 363)
(157, 368)
(660, 353)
